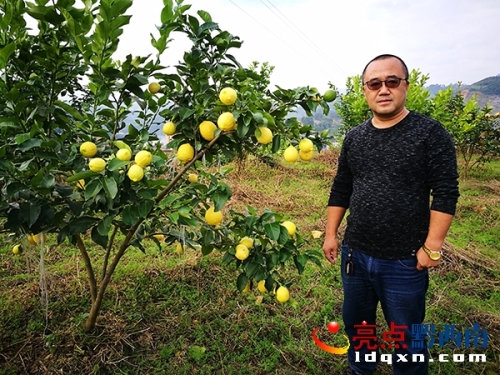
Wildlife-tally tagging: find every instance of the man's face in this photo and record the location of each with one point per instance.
(385, 102)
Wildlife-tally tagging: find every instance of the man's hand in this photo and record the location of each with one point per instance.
(331, 248)
(423, 260)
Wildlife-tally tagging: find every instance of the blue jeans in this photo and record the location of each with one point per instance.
(401, 290)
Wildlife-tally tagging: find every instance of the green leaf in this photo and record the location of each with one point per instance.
(81, 176)
(29, 144)
(207, 249)
(5, 54)
(115, 164)
(15, 187)
(48, 181)
(20, 138)
(276, 143)
(207, 26)
(273, 230)
(98, 238)
(110, 187)
(30, 212)
(129, 217)
(104, 225)
(300, 261)
(241, 281)
(81, 224)
(145, 207)
(92, 189)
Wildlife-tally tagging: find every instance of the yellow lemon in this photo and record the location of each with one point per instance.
(306, 145)
(262, 286)
(316, 233)
(247, 241)
(185, 153)
(169, 128)
(266, 135)
(226, 121)
(123, 154)
(228, 96)
(81, 184)
(159, 237)
(247, 288)
(135, 173)
(31, 239)
(154, 87)
(16, 249)
(143, 158)
(282, 294)
(306, 156)
(242, 252)
(213, 217)
(88, 149)
(193, 177)
(97, 165)
(290, 227)
(291, 154)
(329, 95)
(207, 130)
(179, 248)
(37, 238)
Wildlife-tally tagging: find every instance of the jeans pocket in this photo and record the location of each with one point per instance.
(410, 263)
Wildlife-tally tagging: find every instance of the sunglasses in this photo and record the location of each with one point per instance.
(390, 83)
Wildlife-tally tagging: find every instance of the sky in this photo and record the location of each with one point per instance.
(314, 42)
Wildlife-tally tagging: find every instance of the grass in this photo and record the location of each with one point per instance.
(181, 314)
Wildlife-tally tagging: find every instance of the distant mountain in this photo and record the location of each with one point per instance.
(487, 91)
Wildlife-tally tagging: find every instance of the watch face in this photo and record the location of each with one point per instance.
(435, 256)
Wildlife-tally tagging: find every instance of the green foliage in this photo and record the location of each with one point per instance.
(474, 130)
(418, 96)
(352, 107)
(61, 86)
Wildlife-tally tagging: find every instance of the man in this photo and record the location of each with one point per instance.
(388, 168)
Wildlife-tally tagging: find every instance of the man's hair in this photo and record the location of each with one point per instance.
(383, 57)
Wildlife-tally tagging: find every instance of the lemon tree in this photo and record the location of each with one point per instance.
(62, 168)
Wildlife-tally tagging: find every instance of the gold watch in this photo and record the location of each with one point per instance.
(434, 255)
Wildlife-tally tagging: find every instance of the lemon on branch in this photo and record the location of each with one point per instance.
(262, 286)
(185, 153)
(154, 87)
(306, 156)
(266, 135)
(242, 252)
(291, 154)
(282, 294)
(290, 227)
(207, 130)
(16, 249)
(88, 149)
(329, 95)
(306, 145)
(226, 122)
(247, 288)
(193, 177)
(169, 128)
(135, 173)
(228, 96)
(143, 158)
(97, 165)
(213, 217)
(247, 241)
(123, 154)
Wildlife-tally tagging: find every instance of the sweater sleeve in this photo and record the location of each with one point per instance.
(340, 193)
(442, 171)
